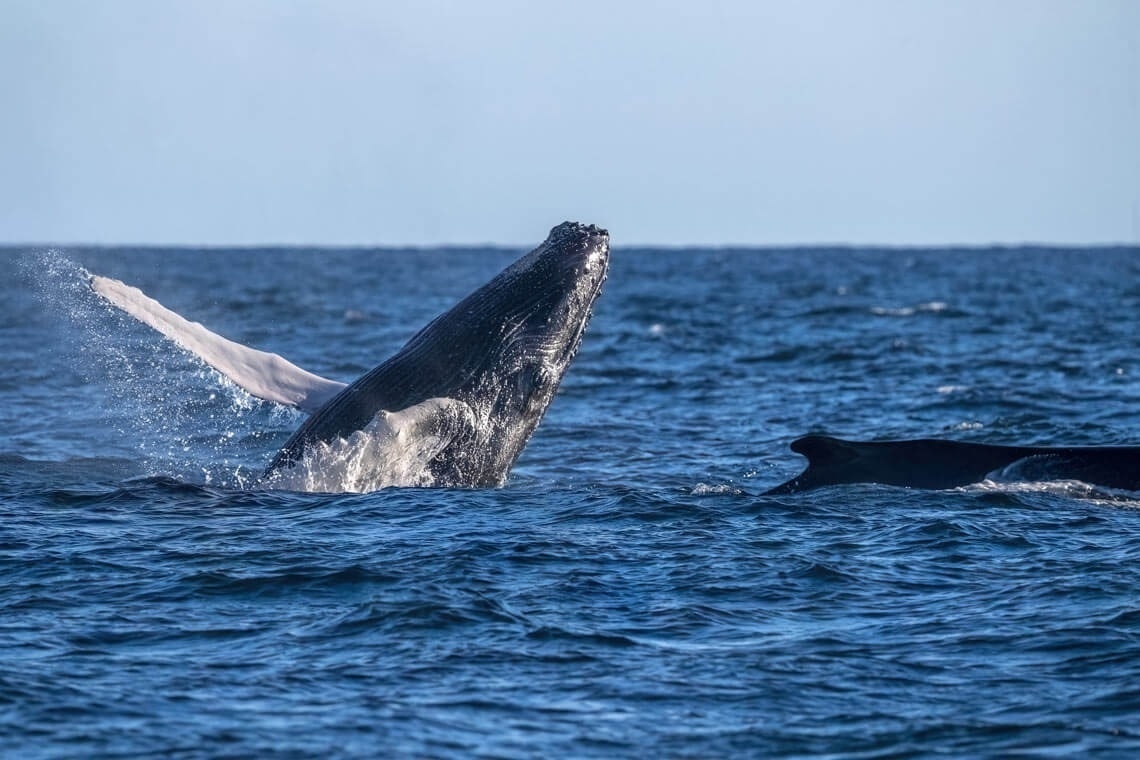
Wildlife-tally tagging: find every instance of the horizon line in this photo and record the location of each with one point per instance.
(728, 246)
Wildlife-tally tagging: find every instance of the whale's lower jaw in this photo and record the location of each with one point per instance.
(468, 390)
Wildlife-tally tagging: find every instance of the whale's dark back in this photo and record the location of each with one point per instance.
(936, 464)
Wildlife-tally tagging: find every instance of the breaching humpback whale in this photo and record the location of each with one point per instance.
(454, 407)
(937, 464)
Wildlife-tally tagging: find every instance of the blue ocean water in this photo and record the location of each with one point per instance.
(630, 592)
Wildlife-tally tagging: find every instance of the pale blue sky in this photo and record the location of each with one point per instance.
(734, 122)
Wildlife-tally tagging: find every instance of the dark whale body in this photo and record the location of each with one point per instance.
(936, 464)
(484, 372)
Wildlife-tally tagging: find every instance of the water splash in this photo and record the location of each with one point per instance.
(1066, 489)
(395, 449)
(180, 417)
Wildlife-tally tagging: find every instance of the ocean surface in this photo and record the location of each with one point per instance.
(630, 592)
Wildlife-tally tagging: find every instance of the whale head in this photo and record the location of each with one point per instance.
(467, 391)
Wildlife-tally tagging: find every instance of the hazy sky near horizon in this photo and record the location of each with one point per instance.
(436, 121)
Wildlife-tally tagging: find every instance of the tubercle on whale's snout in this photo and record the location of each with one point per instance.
(587, 236)
(569, 227)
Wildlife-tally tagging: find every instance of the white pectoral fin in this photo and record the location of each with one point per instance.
(260, 373)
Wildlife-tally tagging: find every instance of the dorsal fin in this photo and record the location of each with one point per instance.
(823, 450)
(259, 373)
(824, 455)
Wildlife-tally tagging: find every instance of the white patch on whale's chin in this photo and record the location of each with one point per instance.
(394, 449)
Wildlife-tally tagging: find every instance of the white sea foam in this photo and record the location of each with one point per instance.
(1069, 489)
(715, 489)
(928, 307)
(948, 389)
